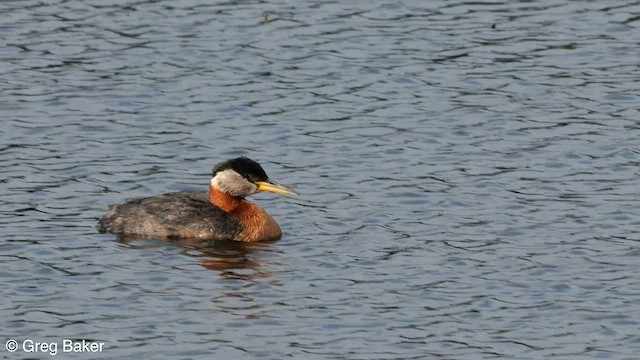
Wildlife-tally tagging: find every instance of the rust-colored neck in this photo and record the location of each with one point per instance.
(257, 225)
(223, 200)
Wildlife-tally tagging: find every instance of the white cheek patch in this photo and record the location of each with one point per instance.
(232, 183)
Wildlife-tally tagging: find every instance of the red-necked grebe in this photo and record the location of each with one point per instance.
(221, 214)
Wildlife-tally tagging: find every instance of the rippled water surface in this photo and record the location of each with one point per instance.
(469, 191)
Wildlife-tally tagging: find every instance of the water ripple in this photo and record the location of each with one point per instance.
(468, 173)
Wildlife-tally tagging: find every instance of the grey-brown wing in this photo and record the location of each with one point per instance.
(181, 215)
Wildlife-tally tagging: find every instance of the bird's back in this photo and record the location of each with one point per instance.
(173, 215)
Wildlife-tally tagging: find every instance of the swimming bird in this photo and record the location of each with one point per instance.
(222, 213)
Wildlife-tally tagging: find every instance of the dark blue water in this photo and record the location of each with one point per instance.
(468, 192)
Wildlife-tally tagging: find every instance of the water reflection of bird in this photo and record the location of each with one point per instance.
(231, 259)
(221, 214)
